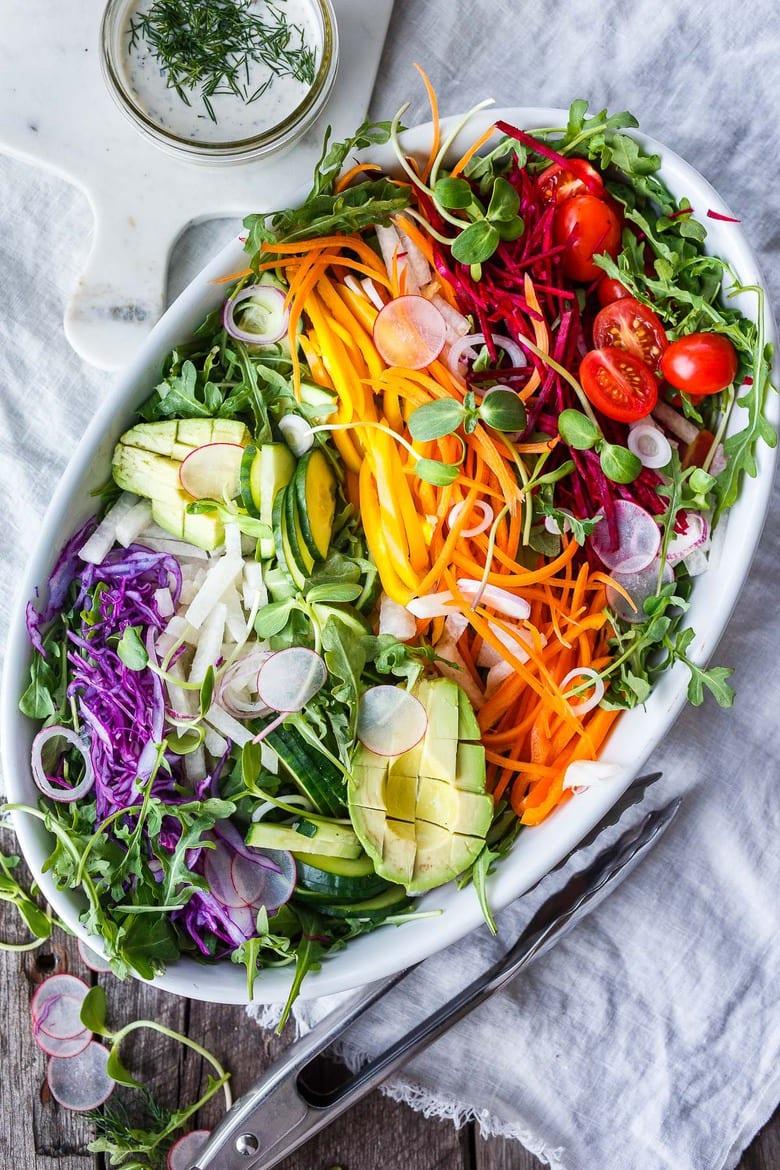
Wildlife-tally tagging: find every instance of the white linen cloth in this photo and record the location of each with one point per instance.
(650, 1038)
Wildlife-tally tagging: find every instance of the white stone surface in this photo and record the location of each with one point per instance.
(55, 111)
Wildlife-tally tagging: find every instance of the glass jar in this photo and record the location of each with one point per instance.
(115, 55)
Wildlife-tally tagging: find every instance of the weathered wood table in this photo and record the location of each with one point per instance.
(378, 1135)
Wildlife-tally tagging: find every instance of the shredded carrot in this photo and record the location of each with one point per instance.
(436, 134)
(359, 169)
(466, 158)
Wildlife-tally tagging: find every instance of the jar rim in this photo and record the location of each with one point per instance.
(272, 139)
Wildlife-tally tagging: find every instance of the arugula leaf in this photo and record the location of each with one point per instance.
(308, 956)
(713, 679)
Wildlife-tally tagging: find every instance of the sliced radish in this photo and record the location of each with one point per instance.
(289, 679)
(585, 674)
(93, 960)
(464, 350)
(639, 539)
(396, 619)
(184, 1153)
(458, 672)
(410, 332)
(212, 472)
(297, 433)
(650, 445)
(390, 720)
(372, 293)
(62, 794)
(639, 586)
(696, 535)
(481, 525)
(494, 597)
(81, 1082)
(71, 1046)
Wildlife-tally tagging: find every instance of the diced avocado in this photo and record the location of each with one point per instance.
(399, 849)
(159, 437)
(470, 767)
(440, 856)
(423, 816)
(369, 825)
(370, 773)
(146, 474)
(177, 437)
(459, 812)
(330, 840)
(401, 795)
(203, 530)
(226, 430)
(468, 728)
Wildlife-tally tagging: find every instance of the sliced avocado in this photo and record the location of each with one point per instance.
(146, 474)
(470, 767)
(196, 432)
(330, 840)
(423, 816)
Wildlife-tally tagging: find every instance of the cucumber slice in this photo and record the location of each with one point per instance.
(315, 491)
(313, 774)
(303, 557)
(391, 901)
(287, 562)
(321, 401)
(351, 867)
(317, 886)
(247, 499)
(271, 470)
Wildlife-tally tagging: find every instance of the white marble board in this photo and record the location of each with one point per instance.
(55, 112)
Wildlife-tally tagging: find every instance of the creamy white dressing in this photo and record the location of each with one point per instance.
(236, 119)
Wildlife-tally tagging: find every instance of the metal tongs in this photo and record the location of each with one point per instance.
(284, 1108)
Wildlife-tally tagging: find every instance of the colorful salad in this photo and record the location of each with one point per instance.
(402, 530)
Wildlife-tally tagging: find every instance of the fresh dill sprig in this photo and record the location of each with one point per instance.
(210, 45)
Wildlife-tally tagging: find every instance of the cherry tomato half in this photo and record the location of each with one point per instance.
(630, 325)
(557, 183)
(701, 363)
(587, 226)
(697, 451)
(618, 384)
(609, 290)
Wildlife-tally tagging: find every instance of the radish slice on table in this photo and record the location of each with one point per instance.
(410, 332)
(390, 720)
(639, 586)
(93, 960)
(475, 529)
(266, 310)
(464, 350)
(650, 445)
(584, 674)
(696, 535)
(184, 1153)
(288, 679)
(62, 1016)
(396, 619)
(81, 1082)
(212, 472)
(61, 793)
(639, 539)
(297, 433)
(50, 989)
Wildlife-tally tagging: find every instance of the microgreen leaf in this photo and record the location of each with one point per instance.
(93, 1011)
(476, 243)
(206, 690)
(343, 592)
(503, 410)
(619, 464)
(454, 194)
(131, 649)
(504, 202)
(577, 430)
(433, 420)
(272, 619)
(435, 472)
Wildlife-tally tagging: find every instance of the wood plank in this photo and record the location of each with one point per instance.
(34, 1132)
(764, 1151)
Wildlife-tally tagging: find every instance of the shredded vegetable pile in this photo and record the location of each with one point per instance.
(402, 530)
